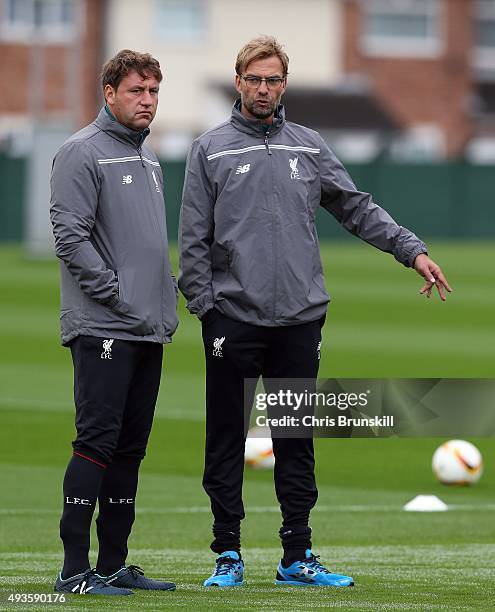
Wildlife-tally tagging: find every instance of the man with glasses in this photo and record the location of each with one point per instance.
(251, 271)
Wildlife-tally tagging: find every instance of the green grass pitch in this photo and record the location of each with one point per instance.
(377, 326)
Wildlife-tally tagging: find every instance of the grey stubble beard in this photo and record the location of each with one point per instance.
(259, 114)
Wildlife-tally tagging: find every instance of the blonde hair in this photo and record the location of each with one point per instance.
(261, 48)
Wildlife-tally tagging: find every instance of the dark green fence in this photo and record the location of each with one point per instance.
(448, 200)
(173, 178)
(12, 197)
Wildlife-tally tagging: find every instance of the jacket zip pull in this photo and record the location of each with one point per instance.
(267, 145)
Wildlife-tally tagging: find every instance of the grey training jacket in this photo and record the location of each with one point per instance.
(110, 232)
(248, 242)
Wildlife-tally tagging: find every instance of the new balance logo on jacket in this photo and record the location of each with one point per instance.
(243, 169)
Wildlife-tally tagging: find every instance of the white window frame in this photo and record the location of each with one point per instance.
(27, 32)
(400, 46)
(483, 56)
(182, 38)
(13, 30)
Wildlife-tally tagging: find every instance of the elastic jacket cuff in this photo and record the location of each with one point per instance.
(420, 250)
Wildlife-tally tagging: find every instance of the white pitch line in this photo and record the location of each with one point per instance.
(252, 509)
(471, 507)
(344, 508)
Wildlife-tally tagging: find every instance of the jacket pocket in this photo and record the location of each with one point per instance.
(219, 258)
(176, 286)
(136, 319)
(119, 286)
(125, 300)
(170, 297)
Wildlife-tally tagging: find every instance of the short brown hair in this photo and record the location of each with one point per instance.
(261, 48)
(126, 61)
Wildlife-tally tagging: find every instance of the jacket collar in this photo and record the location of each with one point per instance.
(255, 126)
(109, 124)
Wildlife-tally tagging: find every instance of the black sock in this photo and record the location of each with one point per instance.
(295, 541)
(116, 504)
(81, 485)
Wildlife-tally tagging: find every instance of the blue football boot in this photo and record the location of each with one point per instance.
(310, 572)
(229, 571)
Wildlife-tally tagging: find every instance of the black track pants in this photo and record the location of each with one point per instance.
(249, 351)
(115, 389)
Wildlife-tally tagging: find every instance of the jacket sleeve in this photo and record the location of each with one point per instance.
(357, 212)
(75, 187)
(196, 229)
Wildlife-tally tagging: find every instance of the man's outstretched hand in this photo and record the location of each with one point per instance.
(433, 275)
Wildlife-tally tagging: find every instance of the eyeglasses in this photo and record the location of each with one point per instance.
(254, 82)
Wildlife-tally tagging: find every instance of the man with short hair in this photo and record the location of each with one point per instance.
(118, 307)
(251, 271)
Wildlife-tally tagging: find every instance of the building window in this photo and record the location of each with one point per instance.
(484, 24)
(181, 20)
(17, 16)
(51, 20)
(484, 39)
(402, 27)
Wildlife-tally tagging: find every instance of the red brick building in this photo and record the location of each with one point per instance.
(430, 63)
(51, 56)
